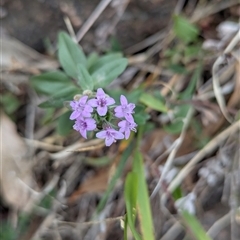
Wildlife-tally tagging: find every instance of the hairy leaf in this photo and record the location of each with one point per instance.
(70, 54)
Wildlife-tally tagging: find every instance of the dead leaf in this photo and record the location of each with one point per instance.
(97, 183)
(233, 102)
(18, 55)
(15, 178)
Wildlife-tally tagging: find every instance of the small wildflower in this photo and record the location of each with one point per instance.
(87, 120)
(83, 125)
(125, 110)
(110, 135)
(102, 102)
(126, 127)
(80, 108)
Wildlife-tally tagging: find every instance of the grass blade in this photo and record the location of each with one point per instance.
(194, 226)
(143, 203)
(130, 195)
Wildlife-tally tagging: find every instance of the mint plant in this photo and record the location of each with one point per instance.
(78, 89)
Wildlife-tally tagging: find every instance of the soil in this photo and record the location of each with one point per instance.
(32, 22)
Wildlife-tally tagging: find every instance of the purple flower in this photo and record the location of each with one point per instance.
(126, 127)
(83, 125)
(110, 135)
(80, 108)
(125, 110)
(101, 102)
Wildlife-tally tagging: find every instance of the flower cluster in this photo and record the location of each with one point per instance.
(97, 111)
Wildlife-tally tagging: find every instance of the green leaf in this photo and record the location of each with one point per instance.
(184, 30)
(48, 116)
(64, 124)
(8, 232)
(170, 52)
(57, 100)
(149, 127)
(104, 61)
(84, 80)
(97, 162)
(133, 96)
(125, 233)
(194, 226)
(176, 68)
(24, 220)
(51, 82)
(70, 54)
(10, 103)
(176, 126)
(188, 92)
(141, 119)
(47, 201)
(130, 196)
(140, 115)
(91, 60)
(115, 45)
(192, 51)
(177, 193)
(107, 73)
(143, 203)
(153, 102)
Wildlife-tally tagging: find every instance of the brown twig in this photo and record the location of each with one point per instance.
(93, 17)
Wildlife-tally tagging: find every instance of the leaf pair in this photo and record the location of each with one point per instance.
(184, 30)
(90, 73)
(79, 73)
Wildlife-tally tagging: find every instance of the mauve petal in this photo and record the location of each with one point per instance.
(110, 101)
(122, 130)
(118, 112)
(91, 127)
(127, 133)
(118, 109)
(83, 100)
(101, 134)
(73, 104)
(90, 120)
(91, 124)
(86, 114)
(131, 106)
(74, 115)
(129, 117)
(123, 100)
(122, 124)
(133, 127)
(100, 92)
(119, 115)
(93, 102)
(75, 127)
(109, 141)
(88, 108)
(83, 132)
(118, 135)
(102, 110)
